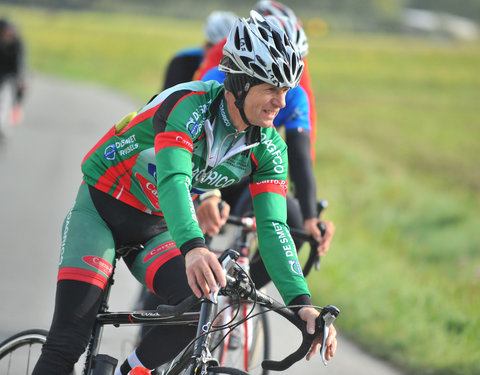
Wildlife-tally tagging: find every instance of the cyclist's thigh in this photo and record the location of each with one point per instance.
(88, 248)
(161, 267)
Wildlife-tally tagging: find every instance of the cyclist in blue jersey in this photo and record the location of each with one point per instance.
(184, 64)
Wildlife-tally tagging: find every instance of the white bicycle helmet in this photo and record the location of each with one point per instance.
(294, 31)
(218, 25)
(273, 8)
(262, 51)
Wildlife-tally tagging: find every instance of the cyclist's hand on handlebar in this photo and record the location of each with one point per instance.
(210, 219)
(309, 314)
(204, 272)
(311, 227)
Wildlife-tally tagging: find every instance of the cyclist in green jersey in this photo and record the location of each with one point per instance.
(140, 181)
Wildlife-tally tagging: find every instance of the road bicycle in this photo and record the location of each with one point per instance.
(250, 343)
(196, 358)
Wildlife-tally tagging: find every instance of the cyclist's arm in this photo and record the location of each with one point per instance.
(296, 119)
(173, 155)
(268, 189)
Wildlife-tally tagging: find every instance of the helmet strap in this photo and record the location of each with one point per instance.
(239, 85)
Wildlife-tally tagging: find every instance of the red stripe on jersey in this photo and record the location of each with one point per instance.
(254, 159)
(109, 135)
(80, 274)
(157, 263)
(269, 186)
(184, 97)
(118, 172)
(173, 139)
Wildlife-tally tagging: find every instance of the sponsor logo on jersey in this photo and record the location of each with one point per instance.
(158, 250)
(224, 115)
(110, 152)
(285, 240)
(152, 169)
(282, 183)
(276, 154)
(212, 178)
(195, 122)
(123, 147)
(99, 263)
(65, 232)
(149, 189)
(295, 267)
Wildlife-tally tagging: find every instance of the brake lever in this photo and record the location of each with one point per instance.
(329, 314)
(227, 259)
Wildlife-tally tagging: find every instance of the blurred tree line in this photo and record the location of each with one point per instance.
(366, 15)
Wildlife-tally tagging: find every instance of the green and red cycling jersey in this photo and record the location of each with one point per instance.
(183, 143)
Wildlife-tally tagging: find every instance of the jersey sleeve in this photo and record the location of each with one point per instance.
(268, 189)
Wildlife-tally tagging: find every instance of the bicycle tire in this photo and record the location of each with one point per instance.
(257, 350)
(19, 353)
(226, 371)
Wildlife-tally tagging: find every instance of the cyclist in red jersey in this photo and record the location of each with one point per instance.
(139, 182)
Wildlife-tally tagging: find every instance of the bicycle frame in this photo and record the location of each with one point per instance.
(196, 356)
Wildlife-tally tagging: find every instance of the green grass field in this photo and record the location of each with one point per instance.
(397, 159)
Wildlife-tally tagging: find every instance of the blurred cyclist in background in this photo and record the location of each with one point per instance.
(298, 120)
(184, 64)
(12, 80)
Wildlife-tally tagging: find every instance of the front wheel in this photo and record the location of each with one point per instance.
(248, 344)
(20, 352)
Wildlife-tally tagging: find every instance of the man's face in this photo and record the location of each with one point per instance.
(263, 102)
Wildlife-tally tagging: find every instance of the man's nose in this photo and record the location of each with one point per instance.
(279, 100)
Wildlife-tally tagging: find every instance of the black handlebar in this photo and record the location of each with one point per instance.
(323, 322)
(182, 307)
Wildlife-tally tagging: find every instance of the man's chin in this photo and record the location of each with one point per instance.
(266, 124)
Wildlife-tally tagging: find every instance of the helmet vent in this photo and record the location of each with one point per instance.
(264, 34)
(246, 60)
(236, 40)
(260, 60)
(259, 71)
(248, 41)
(278, 42)
(286, 69)
(277, 74)
(274, 52)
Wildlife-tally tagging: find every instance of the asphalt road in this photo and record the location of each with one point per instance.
(39, 177)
